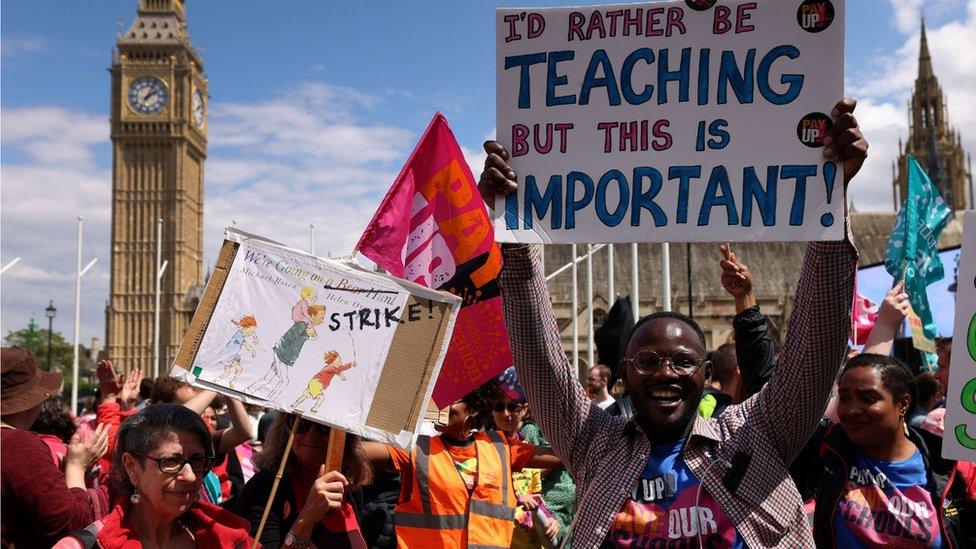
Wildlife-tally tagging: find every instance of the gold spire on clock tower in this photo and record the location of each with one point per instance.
(159, 144)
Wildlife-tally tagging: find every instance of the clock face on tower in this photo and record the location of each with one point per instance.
(198, 108)
(147, 95)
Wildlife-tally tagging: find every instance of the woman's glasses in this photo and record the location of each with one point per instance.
(174, 464)
(647, 362)
(305, 426)
(512, 407)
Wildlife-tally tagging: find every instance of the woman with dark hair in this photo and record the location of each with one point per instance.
(312, 507)
(162, 454)
(877, 480)
(55, 427)
(456, 488)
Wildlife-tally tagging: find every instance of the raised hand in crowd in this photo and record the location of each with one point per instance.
(737, 280)
(81, 455)
(108, 380)
(240, 429)
(844, 143)
(324, 497)
(891, 314)
(130, 388)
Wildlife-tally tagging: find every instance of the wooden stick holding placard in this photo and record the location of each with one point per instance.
(277, 480)
(337, 445)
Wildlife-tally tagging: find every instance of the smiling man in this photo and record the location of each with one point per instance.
(668, 477)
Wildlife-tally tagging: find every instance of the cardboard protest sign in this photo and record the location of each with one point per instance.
(673, 121)
(322, 338)
(959, 441)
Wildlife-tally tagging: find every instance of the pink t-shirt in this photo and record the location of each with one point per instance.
(299, 313)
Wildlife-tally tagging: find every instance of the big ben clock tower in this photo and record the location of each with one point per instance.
(159, 144)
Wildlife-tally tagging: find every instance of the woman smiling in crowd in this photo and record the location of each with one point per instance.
(879, 482)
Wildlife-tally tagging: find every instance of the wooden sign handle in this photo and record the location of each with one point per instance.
(337, 446)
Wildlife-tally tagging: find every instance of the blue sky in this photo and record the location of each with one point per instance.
(315, 107)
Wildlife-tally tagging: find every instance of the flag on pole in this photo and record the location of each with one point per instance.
(432, 228)
(863, 316)
(913, 251)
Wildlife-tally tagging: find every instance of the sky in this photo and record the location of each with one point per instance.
(315, 107)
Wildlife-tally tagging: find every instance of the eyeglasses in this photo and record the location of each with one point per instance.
(174, 464)
(647, 361)
(512, 407)
(305, 426)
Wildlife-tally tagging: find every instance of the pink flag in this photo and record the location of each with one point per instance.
(432, 228)
(863, 315)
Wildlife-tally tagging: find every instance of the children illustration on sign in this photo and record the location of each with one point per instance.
(245, 338)
(287, 349)
(299, 313)
(318, 384)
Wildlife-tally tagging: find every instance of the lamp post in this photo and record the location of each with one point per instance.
(50, 312)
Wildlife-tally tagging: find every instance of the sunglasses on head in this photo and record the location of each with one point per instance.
(512, 407)
(305, 426)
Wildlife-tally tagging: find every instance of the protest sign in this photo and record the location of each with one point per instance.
(673, 121)
(959, 441)
(323, 338)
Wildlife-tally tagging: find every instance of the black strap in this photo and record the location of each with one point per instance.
(86, 537)
(733, 477)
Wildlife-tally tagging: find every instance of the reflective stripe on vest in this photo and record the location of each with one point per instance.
(504, 511)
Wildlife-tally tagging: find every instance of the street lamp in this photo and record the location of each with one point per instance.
(50, 313)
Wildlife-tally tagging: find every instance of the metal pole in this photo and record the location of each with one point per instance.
(575, 312)
(13, 262)
(74, 362)
(611, 283)
(159, 260)
(311, 237)
(589, 306)
(691, 312)
(634, 282)
(666, 275)
(50, 328)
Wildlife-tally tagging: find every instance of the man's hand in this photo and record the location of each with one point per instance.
(498, 177)
(845, 144)
(737, 280)
(894, 308)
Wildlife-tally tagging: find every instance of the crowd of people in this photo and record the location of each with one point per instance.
(750, 444)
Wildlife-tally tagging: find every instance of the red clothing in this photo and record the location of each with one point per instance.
(38, 507)
(326, 374)
(212, 527)
(111, 414)
(58, 448)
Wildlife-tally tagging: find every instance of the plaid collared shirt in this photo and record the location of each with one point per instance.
(606, 454)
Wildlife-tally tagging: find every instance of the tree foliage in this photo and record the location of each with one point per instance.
(35, 341)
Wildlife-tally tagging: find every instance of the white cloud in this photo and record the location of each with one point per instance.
(17, 46)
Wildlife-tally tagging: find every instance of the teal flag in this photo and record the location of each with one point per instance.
(913, 251)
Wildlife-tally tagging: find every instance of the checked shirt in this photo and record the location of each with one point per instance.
(606, 454)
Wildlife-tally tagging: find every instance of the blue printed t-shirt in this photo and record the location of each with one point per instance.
(885, 504)
(233, 348)
(662, 510)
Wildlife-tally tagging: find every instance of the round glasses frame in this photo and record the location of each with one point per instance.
(648, 362)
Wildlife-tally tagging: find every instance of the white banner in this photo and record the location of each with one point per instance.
(959, 441)
(674, 121)
(314, 336)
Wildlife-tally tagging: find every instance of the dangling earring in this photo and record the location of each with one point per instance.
(135, 497)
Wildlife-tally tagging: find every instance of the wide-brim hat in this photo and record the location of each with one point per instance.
(24, 386)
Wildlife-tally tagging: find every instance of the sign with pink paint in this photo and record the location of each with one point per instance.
(673, 121)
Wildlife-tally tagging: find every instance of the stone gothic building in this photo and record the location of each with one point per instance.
(933, 142)
(159, 144)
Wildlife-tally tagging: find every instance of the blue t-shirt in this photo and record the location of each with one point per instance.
(885, 504)
(233, 348)
(663, 512)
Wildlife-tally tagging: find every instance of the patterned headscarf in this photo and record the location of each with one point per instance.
(509, 385)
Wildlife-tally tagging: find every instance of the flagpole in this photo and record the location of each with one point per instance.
(666, 275)
(634, 282)
(589, 306)
(575, 311)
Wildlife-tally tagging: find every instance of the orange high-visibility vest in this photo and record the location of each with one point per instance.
(439, 511)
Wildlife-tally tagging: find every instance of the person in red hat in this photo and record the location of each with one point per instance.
(34, 491)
